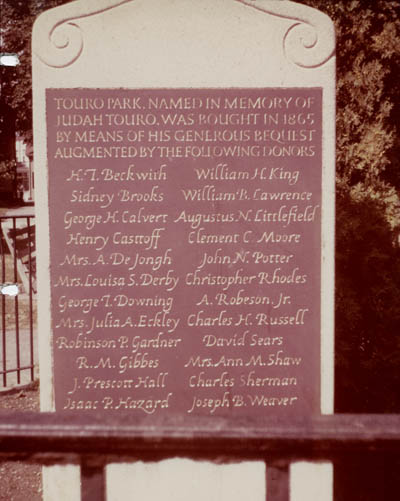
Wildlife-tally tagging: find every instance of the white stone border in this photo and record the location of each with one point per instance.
(63, 56)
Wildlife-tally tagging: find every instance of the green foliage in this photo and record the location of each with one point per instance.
(368, 57)
(367, 307)
(17, 18)
(7, 170)
(367, 301)
(8, 180)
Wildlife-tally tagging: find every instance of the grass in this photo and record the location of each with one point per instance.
(23, 313)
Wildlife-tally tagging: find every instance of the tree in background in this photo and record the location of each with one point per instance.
(368, 119)
(368, 210)
(8, 166)
(16, 21)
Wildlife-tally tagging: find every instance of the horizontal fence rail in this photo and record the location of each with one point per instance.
(45, 436)
(51, 438)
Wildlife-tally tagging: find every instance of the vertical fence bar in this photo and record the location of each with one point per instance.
(28, 221)
(3, 309)
(277, 481)
(93, 482)
(18, 352)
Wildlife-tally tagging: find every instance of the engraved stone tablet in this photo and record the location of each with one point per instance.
(184, 156)
(185, 250)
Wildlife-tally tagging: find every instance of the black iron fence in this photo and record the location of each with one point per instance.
(17, 299)
(51, 438)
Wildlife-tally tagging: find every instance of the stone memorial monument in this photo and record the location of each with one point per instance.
(184, 157)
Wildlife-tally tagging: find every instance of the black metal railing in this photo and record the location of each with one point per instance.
(18, 287)
(51, 438)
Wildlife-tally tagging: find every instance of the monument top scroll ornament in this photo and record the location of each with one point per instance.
(308, 43)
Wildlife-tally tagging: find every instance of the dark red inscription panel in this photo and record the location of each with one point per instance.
(185, 241)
